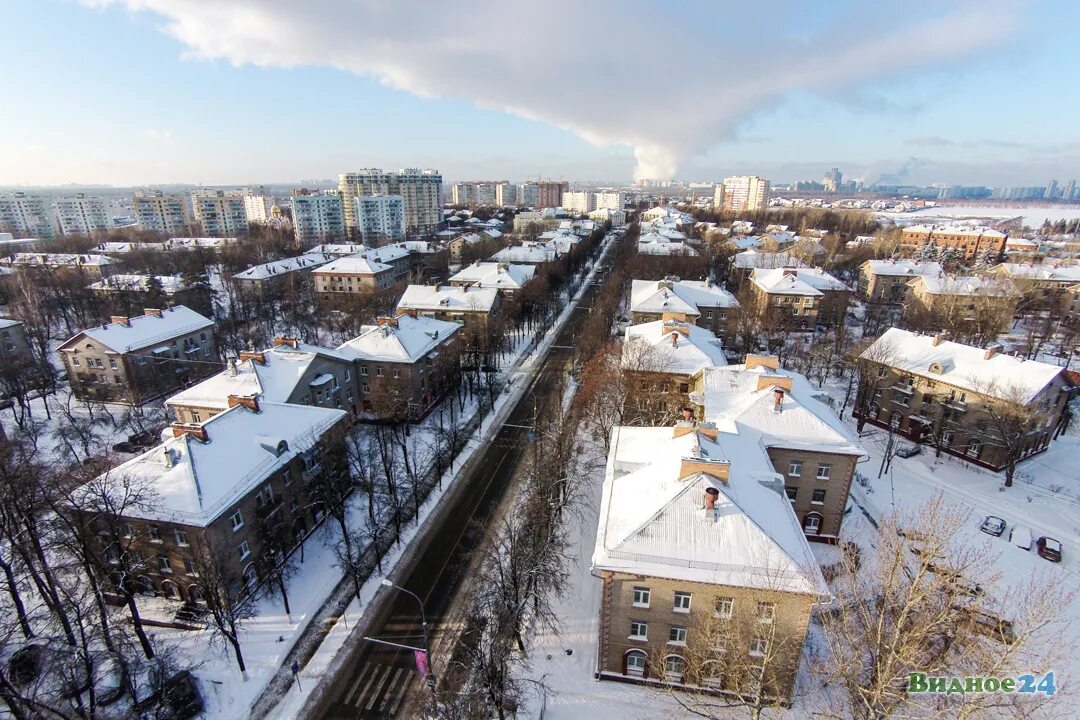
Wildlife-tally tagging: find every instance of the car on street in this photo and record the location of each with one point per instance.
(1048, 548)
(908, 450)
(993, 525)
(1020, 536)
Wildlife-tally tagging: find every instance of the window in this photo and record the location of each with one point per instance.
(196, 417)
(245, 550)
(720, 641)
(265, 496)
(363, 370)
(181, 538)
(677, 635)
(639, 630)
(974, 448)
(74, 361)
(112, 363)
(126, 530)
(792, 493)
(397, 373)
(947, 438)
(641, 597)
(818, 498)
(202, 337)
(823, 472)
(237, 521)
(348, 375)
(674, 667)
(154, 532)
(682, 602)
(758, 647)
(378, 372)
(635, 663)
(766, 611)
(795, 468)
(724, 607)
(163, 564)
(189, 567)
(881, 372)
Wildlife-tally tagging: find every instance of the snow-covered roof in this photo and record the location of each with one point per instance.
(274, 381)
(448, 297)
(405, 339)
(469, 239)
(337, 249)
(307, 261)
(678, 296)
(169, 284)
(1043, 271)
(745, 243)
(795, 281)
(418, 247)
(964, 285)
(496, 275)
(671, 346)
(902, 267)
(955, 229)
(353, 264)
(59, 259)
(654, 523)
(198, 481)
(9, 322)
(144, 330)
(386, 254)
(530, 254)
(963, 366)
(749, 259)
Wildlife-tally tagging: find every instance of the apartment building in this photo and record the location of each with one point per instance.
(542, 219)
(288, 372)
(258, 208)
(971, 241)
(402, 364)
(967, 304)
(528, 253)
(799, 299)
(617, 218)
(474, 193)
(472, 306)
(92, 267)
(933, 390)
(706, 580)
(420, 190)
(155, 211)
(659, 359)
(132, 360)
(507, 279)
(374, 269)
(81, 215)
(219, 486)
(700, 302)
(268, 277)
(380, 218)
(579, 202)
(609, 200)
(505, 194)
(14, 344)
(1042, 286)
(542, 194)
(220, 213)
(743, 193)
(25, 216)
(886, 281)
(318, 218)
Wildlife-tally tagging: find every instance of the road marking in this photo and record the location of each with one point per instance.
(361, 676)
(378, 688)
(401, 695)
(389, 694)
(363, 693)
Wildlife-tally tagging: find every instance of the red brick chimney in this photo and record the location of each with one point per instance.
(246, 355)
(380, 321)
(292, 342)
(196, 431)
(711, 494)
(156, 312)
(249, 401)
(939, 338)
(411, 312)
(120, 320)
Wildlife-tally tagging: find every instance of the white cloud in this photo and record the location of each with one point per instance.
(667, 80)
(164, 137)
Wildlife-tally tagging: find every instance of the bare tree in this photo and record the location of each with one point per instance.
(228, 595)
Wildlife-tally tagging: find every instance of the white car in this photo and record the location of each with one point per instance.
(1020, 536)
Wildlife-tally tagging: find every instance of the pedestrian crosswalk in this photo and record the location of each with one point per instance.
(379, 690)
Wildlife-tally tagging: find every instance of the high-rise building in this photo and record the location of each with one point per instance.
(505, 194)
(421, 191)
(578, 201)
(318, 218)
(1070, 191)
(528, 194)
(745, 193)
(157, 212)
(381, 218)
(542, 193)
(24, 216)
(258, 207)
(1051, 190)
(833, 180)
(718, 197)
(221, 214)
(610, 199)
(81, 215)
(473, 193)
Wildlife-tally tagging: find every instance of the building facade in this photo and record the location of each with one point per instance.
(380, 218)
(81, 215)
(421, 191)
(886, 281)
(701, 302)
(744, 193)
(318, 218)
(220, 213)
(25, 216)
(580, 202)
(161, 213)
(971, 241)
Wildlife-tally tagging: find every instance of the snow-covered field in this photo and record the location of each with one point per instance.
(1034, 215)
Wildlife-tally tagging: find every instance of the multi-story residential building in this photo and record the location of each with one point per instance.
(779, 412)
(604, 215)
(216, 485)
(258, 207)
(402, 364)
(507, 279)
(380, 218)
(25, 216)
(188, 244)
(659, 359)
(474, 193)
(81, 215)
(609, 199)
(886, 281)
(744, 193)
(833, 180)
(971, 241)
(220, 213)
(580, 202)
(139, 290)
(971, 306)
(528, 253)
(745, 262)
(931, 389)
(289, 372)
(318, 218)
(701, 302)
(542, 193)
(375, 269)
(161, 213)
(421, 191)
(707, 581)
(132, 360)
(14, 345)
(473, 306)
(92, 267)
(799, 298)
(267, 277)
(459, 245)
(505, 194)
(1042, 286)
(543, 220)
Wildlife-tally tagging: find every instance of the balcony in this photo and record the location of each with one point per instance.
(957, 405)
(906, 389)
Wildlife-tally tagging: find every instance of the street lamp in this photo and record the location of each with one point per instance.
(386, 582)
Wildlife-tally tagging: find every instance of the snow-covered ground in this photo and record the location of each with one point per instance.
(1034, 215)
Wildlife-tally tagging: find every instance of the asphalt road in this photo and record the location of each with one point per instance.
(376, 680)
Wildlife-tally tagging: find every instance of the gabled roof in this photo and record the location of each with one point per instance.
(354, 265)
(144, 330)
(531, 254)
(749, 259)
(795, 281)
(448, 297)
(963, 366)
(1044, 271)
(679, 296)
(406, 339)
(964, 285)
(670, 346)
(902, 267)
(496, 275)
(196, 482)
(653, 523)
(169, 284)
(307, 261)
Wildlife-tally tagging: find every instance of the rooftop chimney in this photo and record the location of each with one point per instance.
(939, 338)
(411, 312)
(767, 361)
(992, 349)
(674, 339)
(196, 431)
(719, 469)
(120, 320)
(380, 321)
(778, 397)
(687, 414)
(251, 402)
(252, 356)
(292, 342)
(231, 367)
(711, 494)
(156, 312)
(767, 381)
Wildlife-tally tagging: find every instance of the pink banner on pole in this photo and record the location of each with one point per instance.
(421, 658)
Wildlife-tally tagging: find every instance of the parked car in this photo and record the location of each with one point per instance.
(993, 525)
(1020, 536)
(908, 450)
(125, 447)
(1048, 548)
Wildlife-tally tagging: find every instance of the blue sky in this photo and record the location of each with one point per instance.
(152, 91)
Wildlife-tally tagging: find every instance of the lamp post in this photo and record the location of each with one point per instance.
(386, 582)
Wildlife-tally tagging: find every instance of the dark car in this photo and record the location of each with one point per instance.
(908, 450)
(993, 525)
(1048, 548)
(125, 447)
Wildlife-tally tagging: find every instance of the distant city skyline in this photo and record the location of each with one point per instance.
(148, 92)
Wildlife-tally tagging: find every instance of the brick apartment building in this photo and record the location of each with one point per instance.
(886, 281)
(799, 298)
(701, 302)
(971, 241)
(473, 306)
